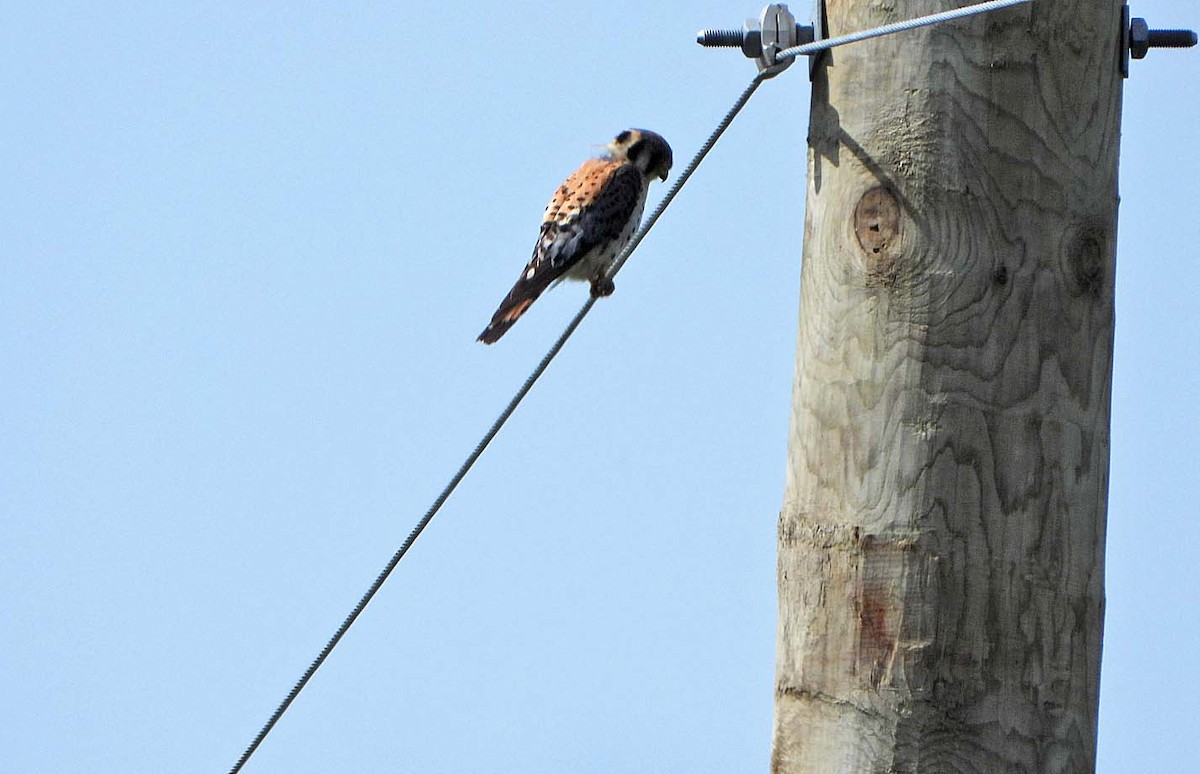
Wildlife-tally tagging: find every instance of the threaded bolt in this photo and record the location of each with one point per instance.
(1172, 38)
(748, 40)
(720, 38)
(1142, 38)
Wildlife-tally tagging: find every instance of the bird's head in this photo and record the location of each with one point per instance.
(645, 149)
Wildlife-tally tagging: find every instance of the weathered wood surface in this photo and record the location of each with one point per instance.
(941, 543)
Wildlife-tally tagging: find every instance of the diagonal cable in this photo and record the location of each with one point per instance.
(620, 260)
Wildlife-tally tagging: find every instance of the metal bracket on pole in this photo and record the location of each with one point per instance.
(762, 38)
(1137, 39)
(778, 31)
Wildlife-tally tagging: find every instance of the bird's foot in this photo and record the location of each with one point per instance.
(602, 286)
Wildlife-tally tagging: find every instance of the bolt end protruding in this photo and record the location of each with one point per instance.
(1142, 38)
(720, 38)
(1172, 38)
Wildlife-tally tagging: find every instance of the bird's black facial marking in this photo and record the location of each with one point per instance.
(635, 150)
(623, 137)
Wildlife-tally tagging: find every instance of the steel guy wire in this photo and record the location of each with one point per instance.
(888, 29)
(620, 260)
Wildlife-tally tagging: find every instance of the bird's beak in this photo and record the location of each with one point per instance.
(663, 176)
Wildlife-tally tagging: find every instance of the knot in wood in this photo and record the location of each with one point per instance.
(877, 226)
(1086, 251)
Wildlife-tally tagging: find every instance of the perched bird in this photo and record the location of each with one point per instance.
(590, 218)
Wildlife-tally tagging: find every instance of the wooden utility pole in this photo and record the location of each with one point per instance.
(941, 543)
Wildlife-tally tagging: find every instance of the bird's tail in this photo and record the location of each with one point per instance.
(520, 298)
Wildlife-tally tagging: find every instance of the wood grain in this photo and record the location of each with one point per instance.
(941, 542)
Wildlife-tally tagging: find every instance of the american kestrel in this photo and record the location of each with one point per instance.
(590, 218)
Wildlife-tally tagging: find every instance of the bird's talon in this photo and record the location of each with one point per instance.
(602, 287)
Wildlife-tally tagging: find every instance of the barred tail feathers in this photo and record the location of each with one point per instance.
(519, 299)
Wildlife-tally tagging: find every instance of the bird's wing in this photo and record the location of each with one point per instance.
(589, 210)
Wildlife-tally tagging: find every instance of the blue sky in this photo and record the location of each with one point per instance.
(246, 249)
